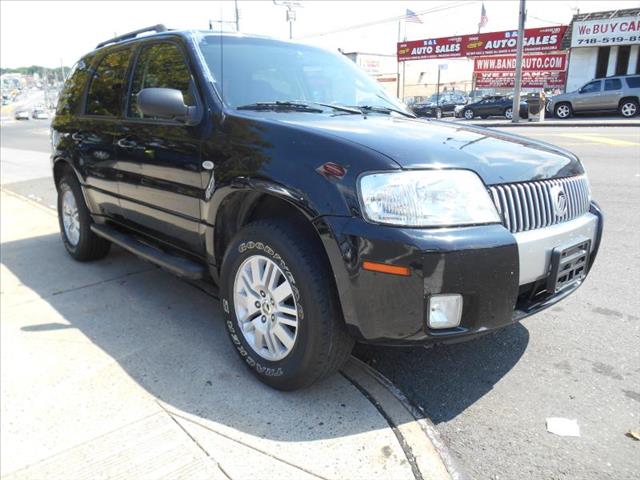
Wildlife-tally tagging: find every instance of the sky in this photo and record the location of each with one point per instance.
(50, 32)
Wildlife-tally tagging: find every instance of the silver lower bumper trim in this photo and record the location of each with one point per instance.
(535, 246)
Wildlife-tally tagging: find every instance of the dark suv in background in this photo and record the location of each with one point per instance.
(321, 207)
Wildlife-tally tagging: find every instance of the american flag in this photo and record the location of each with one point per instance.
(412, 17)
(483, 18)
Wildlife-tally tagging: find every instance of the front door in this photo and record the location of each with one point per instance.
(159, 159)
(589, 97)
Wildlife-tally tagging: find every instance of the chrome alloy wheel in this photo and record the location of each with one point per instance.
(628, 109)
(508, 113)
(70, 217)
(563, 111)
(265, 307)
(468, 114)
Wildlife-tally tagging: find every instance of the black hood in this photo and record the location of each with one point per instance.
(421, 144)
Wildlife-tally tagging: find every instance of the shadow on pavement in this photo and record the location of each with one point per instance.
(169, 337)
(445, 380)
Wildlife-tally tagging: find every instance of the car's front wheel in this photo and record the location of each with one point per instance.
(75, 222)
(628, 108)
(562, 110)
(281, 306)
(468, 114)
(508, 113)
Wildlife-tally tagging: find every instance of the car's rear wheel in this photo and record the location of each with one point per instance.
(468, 114)
(628, 108)
(281, 306)
(75, 222)
(562, 110)
(508, 113)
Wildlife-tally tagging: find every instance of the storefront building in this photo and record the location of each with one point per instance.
(602, 44)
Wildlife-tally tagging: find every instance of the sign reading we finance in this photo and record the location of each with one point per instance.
(609, 31)
(549, 62)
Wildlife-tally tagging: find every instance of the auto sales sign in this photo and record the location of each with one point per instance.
(491, 43)
(609, 31)
(538, 70)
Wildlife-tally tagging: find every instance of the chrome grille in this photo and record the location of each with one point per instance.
(529, 205)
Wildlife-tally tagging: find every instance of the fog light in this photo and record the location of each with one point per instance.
(445, 310)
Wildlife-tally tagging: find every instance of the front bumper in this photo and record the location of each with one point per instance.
(501, 276)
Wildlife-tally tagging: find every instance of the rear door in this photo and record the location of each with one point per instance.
(95, 132)
(159, 159)
(589, 97)
(612, 93)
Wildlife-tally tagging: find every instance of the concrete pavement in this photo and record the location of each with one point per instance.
(586, 121)
(115, 369)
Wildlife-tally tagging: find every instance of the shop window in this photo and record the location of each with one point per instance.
(602, 62)
(622, 62)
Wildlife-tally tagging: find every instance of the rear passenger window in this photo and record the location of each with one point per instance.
(105, 91)
(612, 84)
(633, 82)
(161, 66)
(73, 89)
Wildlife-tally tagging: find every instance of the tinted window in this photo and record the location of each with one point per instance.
(71, 94)
(256, 70)
(105, 92)
(633, 82)
(161, 66)
(591, 87)
(612, 84)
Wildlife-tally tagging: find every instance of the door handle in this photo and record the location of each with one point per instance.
(124, 143)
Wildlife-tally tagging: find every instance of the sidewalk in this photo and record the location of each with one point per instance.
(603, 121)
(115, 369)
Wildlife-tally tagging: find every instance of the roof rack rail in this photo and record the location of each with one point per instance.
(134, 34)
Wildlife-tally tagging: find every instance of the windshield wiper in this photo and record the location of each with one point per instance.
(298, 105)
(284, 106)
(381, 109)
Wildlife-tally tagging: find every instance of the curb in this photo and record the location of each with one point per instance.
(425, 450)
(553, 124)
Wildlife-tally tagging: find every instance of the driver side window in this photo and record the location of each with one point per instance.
(591, 87)
(161, 66)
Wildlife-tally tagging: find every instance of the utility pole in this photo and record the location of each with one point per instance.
(237, 16)
(515, 118)
(291, 12)
(398, 65)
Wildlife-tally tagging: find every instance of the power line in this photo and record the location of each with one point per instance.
(387, 20)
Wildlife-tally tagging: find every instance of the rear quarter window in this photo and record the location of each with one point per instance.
(633, 82)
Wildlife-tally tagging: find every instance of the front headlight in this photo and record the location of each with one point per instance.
(426, 198)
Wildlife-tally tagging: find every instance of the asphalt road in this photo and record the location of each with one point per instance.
(489, 398)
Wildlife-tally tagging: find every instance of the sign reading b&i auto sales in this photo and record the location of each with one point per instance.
(492, 43)
(607, 31)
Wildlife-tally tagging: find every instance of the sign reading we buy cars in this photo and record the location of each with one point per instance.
(491, 43)
(609, 31)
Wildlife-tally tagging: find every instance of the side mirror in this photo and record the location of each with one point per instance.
(166, 103)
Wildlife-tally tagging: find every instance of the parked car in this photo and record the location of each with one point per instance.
(21, 115)
(39, 114)
(494, 105)
(620, 93)
(438, 106)
(323, 210)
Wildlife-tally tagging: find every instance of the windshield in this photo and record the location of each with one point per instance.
(251, 70)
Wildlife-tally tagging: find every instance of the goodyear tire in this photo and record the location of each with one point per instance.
(281, 307)
(75, 222)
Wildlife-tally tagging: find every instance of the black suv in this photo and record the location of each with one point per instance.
(321, 207)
